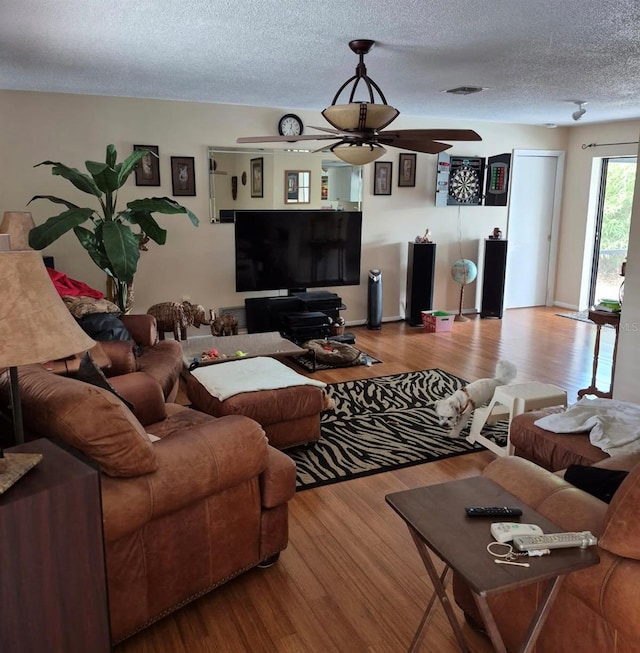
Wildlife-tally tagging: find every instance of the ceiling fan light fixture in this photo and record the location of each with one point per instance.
(358, 154)
(360, 116)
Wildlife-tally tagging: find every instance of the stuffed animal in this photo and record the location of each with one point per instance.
(224, 325)
(177, 317)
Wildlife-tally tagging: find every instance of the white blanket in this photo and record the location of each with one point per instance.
(249, 375)
(614, 426)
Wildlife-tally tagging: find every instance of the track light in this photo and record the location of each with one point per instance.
(576, 115)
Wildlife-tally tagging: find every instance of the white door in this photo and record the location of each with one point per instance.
(534, 204)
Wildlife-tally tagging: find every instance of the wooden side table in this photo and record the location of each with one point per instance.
(438, 523)
(600, 318)
(53, 591)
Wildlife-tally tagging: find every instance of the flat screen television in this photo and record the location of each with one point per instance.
(295, 250)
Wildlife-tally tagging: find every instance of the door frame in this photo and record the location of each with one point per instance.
(598, 217)
(559, 155)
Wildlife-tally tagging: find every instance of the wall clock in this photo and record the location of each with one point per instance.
(290, 125)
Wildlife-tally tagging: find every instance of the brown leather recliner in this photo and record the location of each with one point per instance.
(182, 515)
(596, 609)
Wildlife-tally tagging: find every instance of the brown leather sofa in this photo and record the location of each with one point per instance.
(596, 608)
(161, 359)
(182, 515)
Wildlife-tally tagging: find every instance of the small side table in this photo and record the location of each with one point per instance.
(600, 318)
(512, 400)
(53, 591)
(438, 523)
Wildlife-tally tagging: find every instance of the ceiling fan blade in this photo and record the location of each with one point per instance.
(285, 139)
(417, 145)
(329, 130)
(434, 134)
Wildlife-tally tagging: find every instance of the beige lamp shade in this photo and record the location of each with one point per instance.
(17, 224)
(35, 325)
(360, 116)
(358, 154)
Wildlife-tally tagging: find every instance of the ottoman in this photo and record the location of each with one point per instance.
(553, 451)
(290, 416)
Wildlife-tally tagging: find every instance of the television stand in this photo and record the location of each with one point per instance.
(299, 317)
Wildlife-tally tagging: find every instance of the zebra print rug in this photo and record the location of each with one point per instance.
(382, 424)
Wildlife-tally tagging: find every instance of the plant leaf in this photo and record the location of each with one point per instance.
(161, 205)
(55, 200)
(106, 178)
(147, 224)
(111, 156)
(81, 181)
(129, 165)
(44, 234)
(91, 243)
(121, 248)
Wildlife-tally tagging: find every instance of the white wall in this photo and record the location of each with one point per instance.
(199, 263)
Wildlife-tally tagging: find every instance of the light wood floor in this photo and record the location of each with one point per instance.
(351, 580)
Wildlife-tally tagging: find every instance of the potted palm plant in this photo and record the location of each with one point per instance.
(111, 242)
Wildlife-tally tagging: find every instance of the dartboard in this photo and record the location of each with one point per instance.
(464, 184)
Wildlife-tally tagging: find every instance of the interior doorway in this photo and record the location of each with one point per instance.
(532, 232)
(613, 219)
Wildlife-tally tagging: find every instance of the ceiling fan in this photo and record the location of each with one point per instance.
(358, 125)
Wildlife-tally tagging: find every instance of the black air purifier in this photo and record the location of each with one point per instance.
(374, 315)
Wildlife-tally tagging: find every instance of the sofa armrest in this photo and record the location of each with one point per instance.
(121, 355)
(278, 481)
(551, 496)
(142, 328)
(144, 394)
(203, 461)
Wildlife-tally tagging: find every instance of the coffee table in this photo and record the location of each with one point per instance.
(252, 344)
(438, 523)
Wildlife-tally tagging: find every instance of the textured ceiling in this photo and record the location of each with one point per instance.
(534, 56)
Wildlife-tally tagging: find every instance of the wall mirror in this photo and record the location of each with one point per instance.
(289, 179)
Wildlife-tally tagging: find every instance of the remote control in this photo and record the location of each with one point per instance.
(495, 511)
(582, 539)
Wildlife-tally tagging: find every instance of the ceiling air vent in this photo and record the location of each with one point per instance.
(465, 90)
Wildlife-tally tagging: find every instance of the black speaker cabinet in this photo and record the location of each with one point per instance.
(421, 267)
(493, 276)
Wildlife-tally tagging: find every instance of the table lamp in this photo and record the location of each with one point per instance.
(35, 325)
(17, 225)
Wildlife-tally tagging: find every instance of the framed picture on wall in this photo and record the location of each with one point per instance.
(255, 166)
(148, 168)
(407, 171)
(183, 175)
(382, 178)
